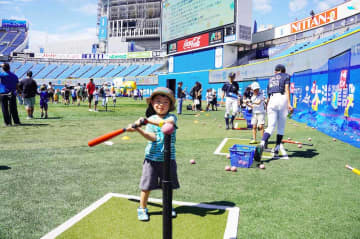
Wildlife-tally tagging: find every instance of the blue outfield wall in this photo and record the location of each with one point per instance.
(195, 61)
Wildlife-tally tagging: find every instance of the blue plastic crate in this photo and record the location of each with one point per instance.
(242, 156)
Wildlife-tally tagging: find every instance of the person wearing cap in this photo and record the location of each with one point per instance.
(160, 104)
(28, 87)
(8, 98)
(258, 111)
(278, 106)
(230, 91)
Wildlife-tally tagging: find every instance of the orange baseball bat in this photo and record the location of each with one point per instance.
(296, 142)
(105, 137)
(112, 134)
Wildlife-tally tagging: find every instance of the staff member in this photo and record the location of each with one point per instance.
(230, 91)
(90, 88)
(278, 106)
(8, 98)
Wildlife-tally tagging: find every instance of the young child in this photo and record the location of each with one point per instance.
(214, 100)
(96, 98)
(258, 111)
(160, 103)
(44, 97)
(57, 96)
(209, 98)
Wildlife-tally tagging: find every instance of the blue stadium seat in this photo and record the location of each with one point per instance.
(23, 69)
(69, 71)
(92, 72)
(115, 72)
(37, 68)
(55, 74)
(15, 65)
(104, 71)
(139, 70)
(81, 71)
(128, 70)
(45, 72)
(151, 70)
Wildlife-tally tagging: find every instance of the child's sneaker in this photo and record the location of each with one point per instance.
(253, 141)
(173, 213)
(42, 114)
(143, 214)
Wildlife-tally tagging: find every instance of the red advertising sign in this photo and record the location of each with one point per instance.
(342, 83)
(315, 21)
(193, 43)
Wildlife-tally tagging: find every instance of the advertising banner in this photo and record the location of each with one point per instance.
(193, 43)
(13, 23)
(216, 37)
(103, 28)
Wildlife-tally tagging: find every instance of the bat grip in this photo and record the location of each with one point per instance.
(142, 122)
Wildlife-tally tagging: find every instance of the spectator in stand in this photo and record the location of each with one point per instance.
(90, 88)
(8, 97)
(28, 87)
(44, 98)
(51, 91)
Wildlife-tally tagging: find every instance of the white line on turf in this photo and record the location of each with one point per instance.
(230, 230)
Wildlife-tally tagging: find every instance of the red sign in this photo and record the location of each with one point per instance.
(315, 21)
(313, 88)
(342, 83)
(193, 43)
(292, 87)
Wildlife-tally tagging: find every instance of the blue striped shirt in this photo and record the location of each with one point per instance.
(155, 149)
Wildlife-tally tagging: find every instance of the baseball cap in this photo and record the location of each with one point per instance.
(232, 75)
(255, 86)
(163, 91)
(280, 68)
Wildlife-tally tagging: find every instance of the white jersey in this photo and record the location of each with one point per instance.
(258, 108)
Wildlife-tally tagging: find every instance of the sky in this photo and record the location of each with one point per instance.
(55, 21)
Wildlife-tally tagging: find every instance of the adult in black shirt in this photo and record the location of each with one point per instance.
(198, 95)
(28, 87)
(180, 97)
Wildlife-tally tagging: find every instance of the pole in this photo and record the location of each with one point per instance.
(167, 190)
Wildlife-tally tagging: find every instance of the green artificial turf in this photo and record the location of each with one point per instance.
(117, 219)
(48, 174)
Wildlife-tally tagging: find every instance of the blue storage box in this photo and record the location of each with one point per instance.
(242, 156)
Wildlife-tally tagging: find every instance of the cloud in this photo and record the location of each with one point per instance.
(41, 38)
(87, 9)
(262, 6)
(297, 5)
(326, 4)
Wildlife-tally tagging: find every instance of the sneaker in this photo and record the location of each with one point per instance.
(42, 115)
(28, 118)
(142, 214)
(90, 110)
(275, 151)
(173, 213)
(253, 141)
(46, 116)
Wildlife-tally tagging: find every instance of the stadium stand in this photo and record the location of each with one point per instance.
(44, 73)
(104, 71)
(150, 70)
(58, 71)
(81, 71)
(115, 71)
(128, 70)
(69, 71)
(92, 72)
(15, 65)
(37, 68)
(23, 69)
(139, 70)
